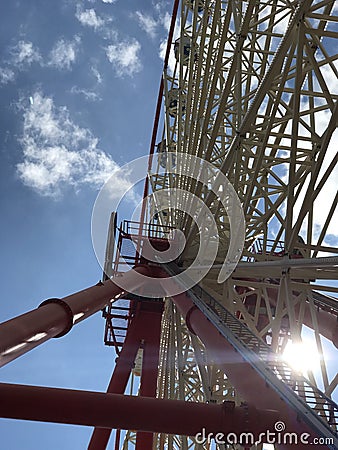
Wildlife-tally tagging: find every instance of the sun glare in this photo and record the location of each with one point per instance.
(301, 357)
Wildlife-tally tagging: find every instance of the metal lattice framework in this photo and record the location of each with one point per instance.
(186, 373)
(252, 88)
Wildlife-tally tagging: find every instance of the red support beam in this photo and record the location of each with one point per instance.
(129, 412)
(144, 331)
(119, 379)
(249, 384)
(55, 317)
(151, 350)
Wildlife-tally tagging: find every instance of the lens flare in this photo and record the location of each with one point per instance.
(302, 356)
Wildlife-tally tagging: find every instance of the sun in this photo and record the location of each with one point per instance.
(302, 356)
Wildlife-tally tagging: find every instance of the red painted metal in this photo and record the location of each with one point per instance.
(119, 380)
(117, 439)
(56, 316)
(128, 412)
(143, 332)
(158, 109)
(250, 385)
(151, 350)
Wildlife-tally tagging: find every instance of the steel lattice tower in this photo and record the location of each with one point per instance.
(251, 88)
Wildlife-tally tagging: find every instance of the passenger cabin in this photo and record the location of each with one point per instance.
(187, 44)
(173, 100)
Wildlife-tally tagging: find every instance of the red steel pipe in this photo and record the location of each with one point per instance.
(55, 317)
(149, 374)
(250, 385)
(129, 412)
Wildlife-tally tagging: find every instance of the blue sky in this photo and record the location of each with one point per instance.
(78, 85)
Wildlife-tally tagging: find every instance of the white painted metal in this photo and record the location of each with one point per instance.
(258, 99)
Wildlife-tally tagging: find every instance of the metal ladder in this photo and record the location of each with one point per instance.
(117, 318)
(315, 408)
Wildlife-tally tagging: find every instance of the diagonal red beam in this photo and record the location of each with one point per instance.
(250, 385)
(158, 108)
(55, 317)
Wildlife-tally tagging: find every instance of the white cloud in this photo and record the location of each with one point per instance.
(328, 191)
(166, 21)
(58, 153)
(163, 12)
(6, 75)
(89, 18)
(125, 57)
(109, 1)
(322, 204)
(89, 95)
(325, 198)
(63, 54)
(97, 75)
(147, 23)
(24, 53)
(172, 60)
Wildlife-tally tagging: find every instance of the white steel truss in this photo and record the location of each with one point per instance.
(254, 92)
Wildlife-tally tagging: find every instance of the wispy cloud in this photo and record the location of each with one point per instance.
(125, 57)
(87, 94)
(122, 52)
(147, 23)
(91, 94)
(166, 20)
(6, 75)
(89, 18)
(97, 75)
(24, 53)
(64, 53)
(172, 59)
(157, 23)
(58, 153)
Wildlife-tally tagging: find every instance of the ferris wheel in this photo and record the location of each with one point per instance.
(241, 187)
(251, 88)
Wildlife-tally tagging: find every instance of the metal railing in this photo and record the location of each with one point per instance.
(148, 230)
